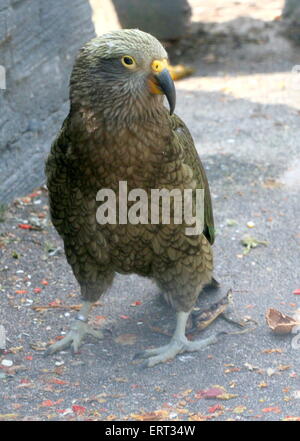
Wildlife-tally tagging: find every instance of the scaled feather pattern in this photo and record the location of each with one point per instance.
(119, 130)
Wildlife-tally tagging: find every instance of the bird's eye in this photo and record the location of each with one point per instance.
(128, 62)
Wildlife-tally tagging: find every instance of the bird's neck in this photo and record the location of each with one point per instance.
(118, 142)
(113, 110)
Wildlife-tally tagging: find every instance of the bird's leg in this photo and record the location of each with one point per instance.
(178, 344)
(79, 329)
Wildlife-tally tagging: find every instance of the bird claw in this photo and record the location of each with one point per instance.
(176, 346)
(74, 338)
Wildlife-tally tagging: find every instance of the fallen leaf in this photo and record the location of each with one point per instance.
(14, 369)
(216, 407)
(272, 351)
(239, 409)
(126, 339)
(15, 349)
(291, 418)
(64, 411)
(120, 379)
(50, 403)
(6, 416)
(16, 405)
(33, 195)
(274, 409)
(137, 303)
(217, 392)
(79, 410)
(280, 323)
(231, 222)
(272, 183)
(25, 385)
(157, 415)
(38, 345)
(251, 242)
(25, 226)
(25, 381)
(55, 304)
(111, 417)
(227, 396)
(199, 417)
(283, 367)
(233, 369)
(203, 317)
(57, 381)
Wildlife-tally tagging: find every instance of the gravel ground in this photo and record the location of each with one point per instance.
(242, 106)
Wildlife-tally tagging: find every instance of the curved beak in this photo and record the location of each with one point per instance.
(161, 83)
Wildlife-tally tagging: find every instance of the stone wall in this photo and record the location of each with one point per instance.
(166, 20)
(292, 9)
(38, 42)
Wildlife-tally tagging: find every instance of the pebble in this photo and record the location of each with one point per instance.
(7, 363)
(2, 337)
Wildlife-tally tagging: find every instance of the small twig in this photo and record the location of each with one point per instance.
(41, 308)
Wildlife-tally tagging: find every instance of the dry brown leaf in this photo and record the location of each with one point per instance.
(42, 308)
(38, 345)
(6, 416)
(16, 349)
(126, 339)
(157, 415)
(283, 367)
(272, 183)
(120, 379)
(272, 351)
(203, 318)
(199, 417)
(280, 323)
(239, 409)
(215, 392)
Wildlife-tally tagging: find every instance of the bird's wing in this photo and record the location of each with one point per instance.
(191, 158)
(58, 179)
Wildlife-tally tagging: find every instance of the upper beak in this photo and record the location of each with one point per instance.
(161, 83)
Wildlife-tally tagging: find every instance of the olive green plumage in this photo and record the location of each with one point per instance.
(118, 130)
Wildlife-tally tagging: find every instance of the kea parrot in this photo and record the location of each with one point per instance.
(118, 130)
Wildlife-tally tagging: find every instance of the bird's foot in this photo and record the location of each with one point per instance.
(176, 346)
(74, 338)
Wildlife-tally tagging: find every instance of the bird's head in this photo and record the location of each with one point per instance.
(126, 66)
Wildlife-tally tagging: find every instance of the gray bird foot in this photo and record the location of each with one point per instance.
(74, 338)
(176, 346)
